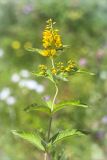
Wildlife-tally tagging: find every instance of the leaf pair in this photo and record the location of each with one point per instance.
(40, 50)
(41, 144)
(57, 107)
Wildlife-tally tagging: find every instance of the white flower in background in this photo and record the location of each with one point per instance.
(32, 85)
(1, 53)
(15, 78)
(103, 75)
(5, 93)
(39, 88)
(25, 73)
(104, 119)
(11, 100)
(27, 83)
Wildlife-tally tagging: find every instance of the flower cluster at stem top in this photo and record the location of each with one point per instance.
(51, 40)
(52, 44)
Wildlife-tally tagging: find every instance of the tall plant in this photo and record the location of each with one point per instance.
(52, 48)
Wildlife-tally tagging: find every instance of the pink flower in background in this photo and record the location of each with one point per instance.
(100, 54)
(27, 9)
(46, 98)
(83, 62)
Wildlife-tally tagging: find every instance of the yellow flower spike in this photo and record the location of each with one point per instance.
(51, 39)
(49, 21)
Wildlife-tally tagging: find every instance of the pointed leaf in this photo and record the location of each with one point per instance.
(36, 107)
(66, 46)
(50, 76)
(64, 104)
(31, 137)
(86, 72)
(40, 51)
(37, 74)
(64, 134)
(63, 47)
(31, 49)
(61, 77)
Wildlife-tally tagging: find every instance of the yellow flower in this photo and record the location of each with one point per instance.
(48, 52)
(42, 66)
(68, 69)
(51, 38)
(47, 38)
(57, 40)
(60, 67)
(45, 53)
(71, 65)
(16, 45)
(54, 71)
(43, 70)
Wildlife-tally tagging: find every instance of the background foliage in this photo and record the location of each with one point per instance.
(83, 26)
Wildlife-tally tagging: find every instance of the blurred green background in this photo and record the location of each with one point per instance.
(83, 26)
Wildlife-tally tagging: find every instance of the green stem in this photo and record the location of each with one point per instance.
(49, 129)
(52, 62)
(45, 156)
(51, 118)
(56, 93)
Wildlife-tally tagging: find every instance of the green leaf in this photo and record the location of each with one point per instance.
(36, 107)
(37, 74)
(35, 50)
(31, 137)
(59, 136)
(63, 47)
(66, 46)
(62, 77)
(31, 49)
(50, 76)
(64, 104)
(86, 72)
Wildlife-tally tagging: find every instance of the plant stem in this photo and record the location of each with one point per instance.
(56, 93)
(45, 156)
(51, 118)
(52, 63)
(49, 129)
